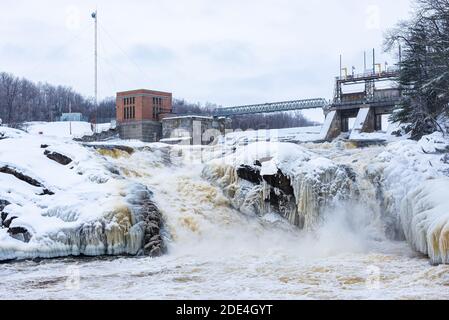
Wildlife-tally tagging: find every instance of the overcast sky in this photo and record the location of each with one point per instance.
(229, 52)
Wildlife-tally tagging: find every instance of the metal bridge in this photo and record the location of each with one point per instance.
(272, 107)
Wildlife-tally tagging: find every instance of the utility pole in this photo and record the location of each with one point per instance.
(70, 117)
(341, 66)
(364, 62)
(95, 17)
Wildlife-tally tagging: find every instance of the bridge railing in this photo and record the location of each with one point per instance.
(372, 102)
(390, 73)
(273, 107)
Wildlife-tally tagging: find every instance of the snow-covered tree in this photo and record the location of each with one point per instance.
(424, 76)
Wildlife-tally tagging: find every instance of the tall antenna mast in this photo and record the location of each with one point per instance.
(364, 62)
(95, 17)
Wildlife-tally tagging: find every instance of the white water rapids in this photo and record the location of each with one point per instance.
(216, 252)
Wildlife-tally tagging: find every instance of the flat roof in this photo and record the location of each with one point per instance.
(143, 91)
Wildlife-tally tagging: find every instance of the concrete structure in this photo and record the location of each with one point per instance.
(357, 97)
(139, 114)
(193, 130)
(366, 106)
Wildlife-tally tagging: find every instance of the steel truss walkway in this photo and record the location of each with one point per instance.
(272, 107)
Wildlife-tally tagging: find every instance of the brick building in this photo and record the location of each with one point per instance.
(139, 113)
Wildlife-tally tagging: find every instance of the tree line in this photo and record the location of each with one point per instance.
(424, 67)
(22, 100)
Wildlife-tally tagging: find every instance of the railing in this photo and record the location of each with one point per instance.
(272, 107)
(391, 73)
(373, 102)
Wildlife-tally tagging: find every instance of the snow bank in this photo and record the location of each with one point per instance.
(6, 133)
(304, 134)
(91, 209)
(62, 129)
(388, 136)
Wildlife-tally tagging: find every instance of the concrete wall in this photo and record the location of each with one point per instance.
(147, 131)
(333, 129)
(370, 123)
(201, 130)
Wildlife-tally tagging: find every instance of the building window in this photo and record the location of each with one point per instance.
(134, 112)
(134, 100)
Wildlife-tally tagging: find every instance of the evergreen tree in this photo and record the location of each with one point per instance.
(424, 74)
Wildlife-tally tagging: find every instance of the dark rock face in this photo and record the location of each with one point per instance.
(3, 215)
(44, 146)
(251, 174)
(3, 204)
(445, 158)
(102, 136)
(7, 221)
(281, 197)
(19, 175)
(146, 211)
(57, 157)
(153, 244)
(20, 233)
(280, 181)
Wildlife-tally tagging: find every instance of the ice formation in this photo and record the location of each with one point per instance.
(414, 177)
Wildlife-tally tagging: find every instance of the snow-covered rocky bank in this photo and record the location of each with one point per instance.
(59, 198)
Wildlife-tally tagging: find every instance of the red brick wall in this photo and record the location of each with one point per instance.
(143, 104)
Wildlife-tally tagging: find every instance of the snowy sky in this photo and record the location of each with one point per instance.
(229, 52)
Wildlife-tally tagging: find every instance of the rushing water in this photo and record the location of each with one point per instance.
(217, 252)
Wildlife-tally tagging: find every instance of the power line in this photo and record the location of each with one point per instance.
(139, 68)
(60, 48)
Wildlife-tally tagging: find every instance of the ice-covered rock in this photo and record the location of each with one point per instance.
(413, 179)
(285, 178)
